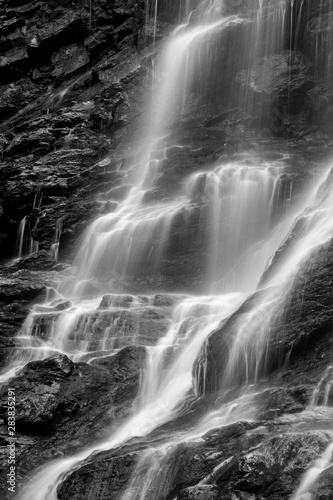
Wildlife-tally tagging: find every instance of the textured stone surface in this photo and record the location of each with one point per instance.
(59, 91)
(63, 406)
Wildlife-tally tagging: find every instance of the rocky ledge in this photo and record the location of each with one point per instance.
(63, 407)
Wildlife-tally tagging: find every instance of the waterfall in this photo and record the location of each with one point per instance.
(25, 244)
(54, 251)
(325, 382)
(248, 207)
(246, 202)
(20, 238)
(248, 347)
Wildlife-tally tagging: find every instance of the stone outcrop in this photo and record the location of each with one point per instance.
(247, 464)
(64, 406)
(68, 79)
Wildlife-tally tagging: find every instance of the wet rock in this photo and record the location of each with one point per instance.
(285, 79)
(13, 64)
(204, 461)
(12, 289)
(49, 391)
(113, 474)
(17, 96)
(161, 300)
(119, 193)
(275, 402)
(116, 301)
(217, 437)
(205, 492)
(66, 406)
(69, 60)
(123, 326)
(40, 142)
(126, 369)
(274, 469)
(56, 367)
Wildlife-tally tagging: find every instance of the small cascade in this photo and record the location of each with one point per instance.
(54, 251)
(91, 329)
(246, 201)
(250, 348)
(124, 244)
(20, 238)
(322, 390)
(38, 199)
(171, 360)
(308, 483)
(25, 244)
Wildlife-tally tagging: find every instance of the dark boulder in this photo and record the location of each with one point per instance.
(126, 369)
(112, 474)
(275, 468)
(49, 392)
(63, 407)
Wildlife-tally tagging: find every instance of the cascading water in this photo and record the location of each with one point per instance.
(25, 244)
(325, 383)
(248, 210)
(54, 251)
(246, 202)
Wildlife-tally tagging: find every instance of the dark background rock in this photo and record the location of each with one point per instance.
(64, 65)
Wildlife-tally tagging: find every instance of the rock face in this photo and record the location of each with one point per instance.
(113, 473)
(68, 74)
(64, 406)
